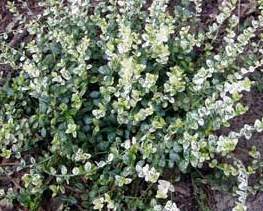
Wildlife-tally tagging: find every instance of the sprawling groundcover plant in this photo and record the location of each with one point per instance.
(109, 95)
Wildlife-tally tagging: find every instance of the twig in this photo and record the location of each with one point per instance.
(9, 164)
(73, 189)
(239, 7)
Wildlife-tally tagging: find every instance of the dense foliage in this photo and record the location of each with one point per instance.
(110, 95)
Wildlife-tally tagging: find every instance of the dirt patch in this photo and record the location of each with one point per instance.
(254, 100)
(6, 16)
(225, 202)
(15, 29)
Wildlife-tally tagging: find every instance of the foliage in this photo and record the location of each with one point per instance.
(110, 94)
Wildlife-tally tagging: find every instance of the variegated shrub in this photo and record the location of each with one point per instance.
(111, 94)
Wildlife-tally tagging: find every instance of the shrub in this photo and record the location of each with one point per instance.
(109, 95)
